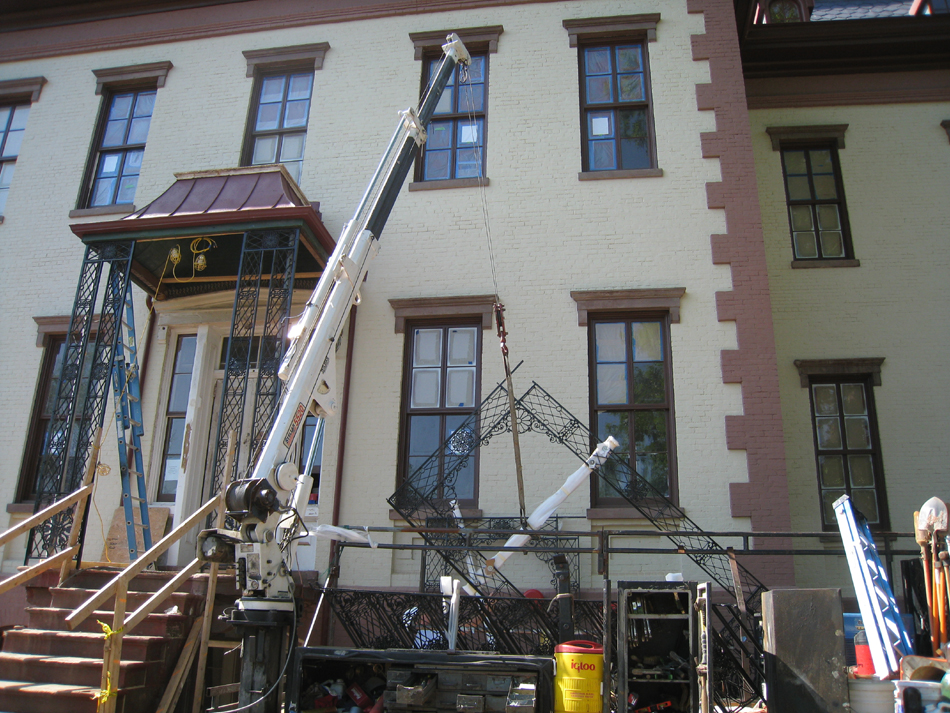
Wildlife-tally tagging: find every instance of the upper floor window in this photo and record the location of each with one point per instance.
(115, 162)
(817, 212)
(617, 131)
(280, 105)
(12, 127)
(455, 147)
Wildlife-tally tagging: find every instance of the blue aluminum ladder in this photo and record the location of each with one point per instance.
(887, 637)
(128, 428)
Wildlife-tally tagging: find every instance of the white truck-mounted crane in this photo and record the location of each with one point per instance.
(265, 504)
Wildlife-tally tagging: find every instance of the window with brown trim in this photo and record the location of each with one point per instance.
(631, 399)
(617, 131)
(176, 414)
(45, 399)
(118, 147)
(817, 214)
(847, 447)
(12, 128)
(441, 388)
(279, 113)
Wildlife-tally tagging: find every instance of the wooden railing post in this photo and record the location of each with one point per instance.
(112, 651)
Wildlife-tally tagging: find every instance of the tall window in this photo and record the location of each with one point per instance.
(616, 118)
(816, 207)
(277, 129)
(455, 147)
(121, 147)
(847, 447)
(175, 415)
(631, 398)
(442, 386)
(12, 128)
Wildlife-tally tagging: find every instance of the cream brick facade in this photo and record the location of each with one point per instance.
(551, 233)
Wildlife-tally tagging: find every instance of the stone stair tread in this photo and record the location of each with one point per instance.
(33, 687)
(29, 631)
(65, 660)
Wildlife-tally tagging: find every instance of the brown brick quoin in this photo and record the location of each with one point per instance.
(758, 431)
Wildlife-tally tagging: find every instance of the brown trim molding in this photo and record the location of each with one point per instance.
(807, 264)
(434, 307)
(848, 89)
(601, 28)
(473, 182)
(56, 324)
(113, 209)
(660, 298)
(28, 88)
(834, 367)
(309, 56)
(779, 134)
(946, 125)
(622, 173)
(474, 38)
(132, 74)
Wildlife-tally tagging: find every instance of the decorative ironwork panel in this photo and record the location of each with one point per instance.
(79, 409)
(381, 620)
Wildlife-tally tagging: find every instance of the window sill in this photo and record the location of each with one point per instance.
(629, 173)
(806, 264)
(619, 513)
(20, 508)
(114, 209)
(467, 514)
(449, 183)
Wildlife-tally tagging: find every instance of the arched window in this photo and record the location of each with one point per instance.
(784, 11)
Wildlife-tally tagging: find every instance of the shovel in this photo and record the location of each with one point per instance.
(923, 539)
(932, 523)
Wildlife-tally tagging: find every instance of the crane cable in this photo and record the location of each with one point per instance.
(498, 308)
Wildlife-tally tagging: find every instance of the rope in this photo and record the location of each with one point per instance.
(498, 307)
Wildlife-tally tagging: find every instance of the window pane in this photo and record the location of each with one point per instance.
(121, 106)
(439, 135)
(446, 103)
(794, 162)
(649, 429)
(475, 72)
(185, 358)
(616, 424)
(647, 341)
(127, 186)
(832, 244)
(470, 133)
(109, 164)
(866, 502)
(634, 153)
(4, 117)
(3, 198)
(829, 433)
(858, 430)
(801, 217)
(427, 347)
(133, 162)
(268, 117)
(602, 155)
(426, 388)
(862, 471)
(144, 104)
(655, 469)
(828, 498)
(600, 124)
(272, 90)
(826, 399)
(300, 86)
(265, 150)
(178, 398)
(599, 90)
(798, 188)
(806, 245)
(611, 383)
(424, 436)
(102, 191)
(597, 60)
(437, 165)
(6, 173)
(467, 163)
(296, 114)
(630, 59)
(821, 161)
(831, 471)
(610, 344)
(465, 442)
(462, 346)
(138, 132)
(852, 399)
(825, 187)
(460, 387)
(294, 169)
(828, 218)
(291, 148)
(649, 383)
(471, 98)
(115, 133)
(631, 87)
(460, 477)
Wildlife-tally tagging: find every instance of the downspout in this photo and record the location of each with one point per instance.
(334, 571)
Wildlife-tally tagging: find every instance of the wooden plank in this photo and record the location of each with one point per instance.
(173, 689)
(161, 595)
(41, 566)
(44, 514)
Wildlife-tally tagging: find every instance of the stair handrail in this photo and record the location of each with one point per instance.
(63, 558)
(118, 587)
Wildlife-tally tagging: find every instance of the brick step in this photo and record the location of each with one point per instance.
(73, 598)
(75, 671)
(166, 625)
(82, 644)
(30, 697)
(147, 581)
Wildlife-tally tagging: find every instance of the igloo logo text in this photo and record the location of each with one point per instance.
(581, 666)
